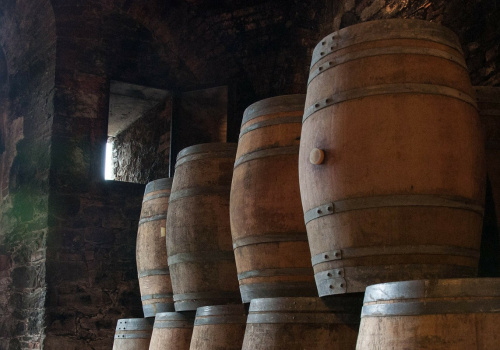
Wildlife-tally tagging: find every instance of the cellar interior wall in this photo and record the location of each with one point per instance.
(67, 237)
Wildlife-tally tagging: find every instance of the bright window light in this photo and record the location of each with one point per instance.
(108, 167)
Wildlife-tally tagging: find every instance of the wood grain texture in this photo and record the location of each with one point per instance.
(269, 235)
(172, 331)
(301, 323)
(219, 327)
(418, 140)
(151, 253)
(469, 327)
(200, 255)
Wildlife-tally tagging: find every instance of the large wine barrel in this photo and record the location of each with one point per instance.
(391, 162)
(151, 253)
(172, 331)
(458, 314)
(133, 334)
(302, 323)
(269, 236)
(220, 327)
(199, 247)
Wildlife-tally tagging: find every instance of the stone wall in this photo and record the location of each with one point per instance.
(27, 66)
(474, 21)
(83, 259)
(141, 153)
(91, 270)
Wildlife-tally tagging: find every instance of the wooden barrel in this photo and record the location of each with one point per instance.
(151, 252)
(391, 161)
(458, 314)
(133, 334)
(220, 327)
(302, 323)
(269, 236)
(172, 331)
(199, 246)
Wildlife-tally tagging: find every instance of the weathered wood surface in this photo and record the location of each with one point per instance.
(302, 323)
(151, 252)
(444, 314)
(199, 247)
(172, 331)
(220, 327)
(269, 235)
(400, 192)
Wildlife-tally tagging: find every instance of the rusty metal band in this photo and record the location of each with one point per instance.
(200, 191)
(321, 318)
(150, 310)
(385, 30)
(286, 271)
(254, 291)
(349, 253)
(392, 201)
(442, 288)
(134, 324)
(278, 104)
(432, 308)
(133, 336)
(350, 304)
(221, 310)
(270, 238)
(207, 149)
(224, 319)
(216, 295)
(269, 152)
(153, 272)
(388, 89)
(331, 282)
(156, 196)
(156, 296)
(393, 50)
(274, 121)
(219, 155)
(174, 324)
(200, 257)
(157, 185)
(174, 316)
(153, 218)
